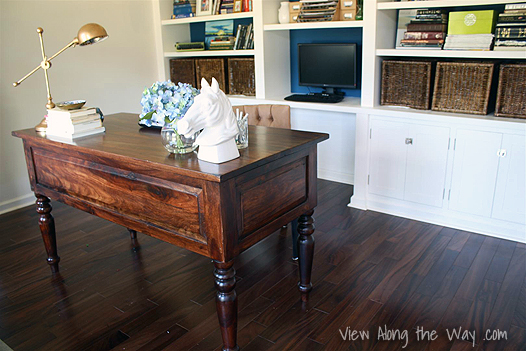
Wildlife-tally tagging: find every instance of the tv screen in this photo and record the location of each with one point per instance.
(327, 65)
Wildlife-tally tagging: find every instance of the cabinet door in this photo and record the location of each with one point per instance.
(510, 191)
(387, 158)
(426, 165)
(474, 172)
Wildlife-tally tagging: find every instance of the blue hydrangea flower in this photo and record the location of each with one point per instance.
(165, 102)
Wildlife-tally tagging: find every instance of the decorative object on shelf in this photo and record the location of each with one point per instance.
(219, 32)
(284, 13)
(242, 126)
(241, 76)
(195, 46)
(319, 11)
(511, 94)
(165, 102)
(70, 105)
(238, 6)
(88, 34)
(204, 7)
(213, 113)
(406, 83)
(177, 143)
(211, 67)
(463, 87)
(183, 70)
(348, 10)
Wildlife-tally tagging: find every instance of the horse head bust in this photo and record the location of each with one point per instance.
(212, 112)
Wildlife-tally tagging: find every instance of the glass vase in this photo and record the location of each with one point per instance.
(177, 143)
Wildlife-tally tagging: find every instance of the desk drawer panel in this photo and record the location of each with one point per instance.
(268, 196)
(151, 200)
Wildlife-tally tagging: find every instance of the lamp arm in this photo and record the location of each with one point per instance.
(72, 43)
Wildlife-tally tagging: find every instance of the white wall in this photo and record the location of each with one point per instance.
(110, 74)
(336, 155)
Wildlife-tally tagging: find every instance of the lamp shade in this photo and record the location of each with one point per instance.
(91, 33)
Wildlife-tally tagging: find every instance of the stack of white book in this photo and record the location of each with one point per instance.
(469, 42)
(71, 124)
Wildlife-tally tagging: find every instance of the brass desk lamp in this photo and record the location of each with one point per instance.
(88, 34)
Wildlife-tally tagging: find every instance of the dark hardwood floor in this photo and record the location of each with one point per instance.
(371, 271)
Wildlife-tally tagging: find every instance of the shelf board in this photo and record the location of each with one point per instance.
(444, 3)
(207, 18)
(453, 53)
(205, 53)
(314, 25)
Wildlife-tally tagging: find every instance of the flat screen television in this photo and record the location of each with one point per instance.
(327, 65)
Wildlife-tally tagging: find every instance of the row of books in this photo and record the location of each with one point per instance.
(462, 30)
(222, 7)
(510, 32)
(184, 8)
(71, 124)
(244, 37)
(427, 29)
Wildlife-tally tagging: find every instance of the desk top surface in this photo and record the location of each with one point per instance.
(124, 138)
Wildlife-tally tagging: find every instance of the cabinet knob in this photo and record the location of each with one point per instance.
(409, 141)
(501, 153)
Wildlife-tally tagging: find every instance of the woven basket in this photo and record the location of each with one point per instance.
(406, 83)
(511, 96)
(241, 76)
(183, 70)
(463, 87)
(211, 68)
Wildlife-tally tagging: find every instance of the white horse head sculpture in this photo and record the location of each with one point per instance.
(212, 112)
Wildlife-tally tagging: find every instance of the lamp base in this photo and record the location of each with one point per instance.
(42, 126)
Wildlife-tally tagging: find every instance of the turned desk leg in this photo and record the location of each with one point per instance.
(306, 252)
(295, 234)
(47, 228)
(226, 303)
(133, 234)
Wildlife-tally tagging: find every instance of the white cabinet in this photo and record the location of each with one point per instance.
(510, 190)
(474, 171)
(408, 161)
(489, 175)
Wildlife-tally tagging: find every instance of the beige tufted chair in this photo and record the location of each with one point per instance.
(277, 116)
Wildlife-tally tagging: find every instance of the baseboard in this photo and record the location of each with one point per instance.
(16, 203)
(360, 204)
(340, 177)
(445, 218)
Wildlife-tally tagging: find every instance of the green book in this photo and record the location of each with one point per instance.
(471, 22)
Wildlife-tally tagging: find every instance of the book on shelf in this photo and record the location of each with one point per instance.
(515, 6)
(424, 35)
(244, 37)
(510, 32)
(183, 8)
(469, 42)
(426, 27)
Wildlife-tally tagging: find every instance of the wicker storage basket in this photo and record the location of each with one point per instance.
(406, 83)
(511, 96)
(241, 76)
(211, 67)
(463, 87)
(183, 70)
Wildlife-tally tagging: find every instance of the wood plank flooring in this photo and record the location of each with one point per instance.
(373, 273)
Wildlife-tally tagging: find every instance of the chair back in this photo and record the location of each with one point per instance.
(277, 116)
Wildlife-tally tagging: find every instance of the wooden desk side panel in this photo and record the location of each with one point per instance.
(168, 210)
(261, 201)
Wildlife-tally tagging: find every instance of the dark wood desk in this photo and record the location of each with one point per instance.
(216, 210)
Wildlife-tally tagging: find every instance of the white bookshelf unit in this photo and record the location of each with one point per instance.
(429, 180)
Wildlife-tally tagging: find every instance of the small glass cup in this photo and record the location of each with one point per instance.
(242, 136)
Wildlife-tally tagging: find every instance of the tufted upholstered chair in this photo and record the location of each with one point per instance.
(277, 116)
